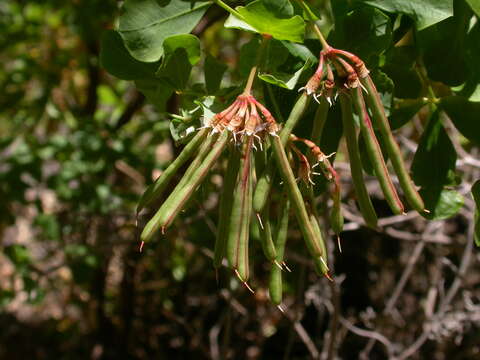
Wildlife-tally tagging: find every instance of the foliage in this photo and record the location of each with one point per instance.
(93, 94)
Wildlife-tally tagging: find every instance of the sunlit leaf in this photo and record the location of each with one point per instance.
(145, 24)
(424, 12)
(258, 18)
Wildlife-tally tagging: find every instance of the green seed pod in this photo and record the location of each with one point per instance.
(320, 262)
(177, 199)
(375, 153)
(265, 181)
(239, 226)
(336, 217)
(375, 104)
(155, 190)
(266, 236)
(275, 286)
(364, 201)
(313, 219)
(311, 239)
(320, 119)
(226, 201)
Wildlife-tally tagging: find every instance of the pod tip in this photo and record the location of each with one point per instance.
(141, 246)
(248, 287)
(286, 266)
(260, 220)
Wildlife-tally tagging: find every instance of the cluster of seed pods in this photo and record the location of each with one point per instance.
(259, 150)
(342, 74)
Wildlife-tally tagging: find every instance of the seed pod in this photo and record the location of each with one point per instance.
(226, 201)
(336, 217)
(310, 238)
(366, 207)
(319, 120)
(375, 153)
(155, 190)
(239, 226)
(378, 112)
(275, 284)
(320, 262)
(266, 236)
(177, 199)
(265, 181)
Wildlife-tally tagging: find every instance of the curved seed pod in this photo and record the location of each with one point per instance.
(177, 199)
(226, 205)
(375, 153)
(378, 112)
(313, 218)
(297, 112)
(262, 189)
(319, 120)
(321, 265)
(275, 286)
(336, 217)
(265, 181)
(153, 225)
(366, 207)
(239, 227)
(309, 236)
(203, 151)
(266, 236)
(155, 190)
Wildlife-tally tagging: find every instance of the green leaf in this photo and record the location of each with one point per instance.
(214, 71)
(434, 162)
(471, 88)
(307, 12)
(258, 18)
(452, 69)
(475, 5)
(300, 51)
(145, 24)
(442, 204)
(181, 53)
(425, 12)
(115, 58)
(176, 69)
(367, 32)
(248, 55)
(275, 54)
(189, 42)
(402, 114)
(476, 197)
(400, 67)
(282, 8)
(156, 91)
(18, 255)
(464, 115)
(287, 81)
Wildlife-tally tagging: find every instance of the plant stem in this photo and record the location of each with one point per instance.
(228, 8)
(253, 71)
(325, 45)
(315, 27)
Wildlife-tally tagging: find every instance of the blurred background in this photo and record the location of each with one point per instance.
(78, 147)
